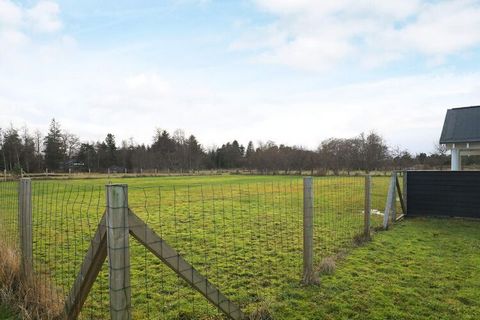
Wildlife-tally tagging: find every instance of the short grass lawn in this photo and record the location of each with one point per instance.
(421, 269)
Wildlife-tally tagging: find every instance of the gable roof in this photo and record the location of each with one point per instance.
(461, 125)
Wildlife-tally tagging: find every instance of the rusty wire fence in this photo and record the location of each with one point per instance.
(246, 238)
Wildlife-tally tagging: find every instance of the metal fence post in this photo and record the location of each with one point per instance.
(390, 202)
(394, 199)
(308, 273)
(118, 251)
(368, 205)
(25, 226)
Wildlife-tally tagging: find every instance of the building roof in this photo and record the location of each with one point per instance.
(461, 125)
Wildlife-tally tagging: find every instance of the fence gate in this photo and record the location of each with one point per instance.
(444, 193)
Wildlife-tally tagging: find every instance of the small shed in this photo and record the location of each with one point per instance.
(461, 134)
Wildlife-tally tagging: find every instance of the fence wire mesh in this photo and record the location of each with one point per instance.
(64, 218)
(245, 238)
(380, 186)
(339, 215)
(9, 213)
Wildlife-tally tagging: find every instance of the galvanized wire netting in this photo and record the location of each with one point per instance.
(9, 213)
(379, 192)
(246, 239)
(64, 218)
(339, 214)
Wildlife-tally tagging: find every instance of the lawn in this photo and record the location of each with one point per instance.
(422, 269)
(243, 232)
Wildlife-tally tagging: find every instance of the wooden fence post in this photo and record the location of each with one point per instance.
(308, 273)
(368, 205)
(25, 226)
(118, 251)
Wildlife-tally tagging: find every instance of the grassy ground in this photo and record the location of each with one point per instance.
(422, 269)
(5, 314)
(243, 232)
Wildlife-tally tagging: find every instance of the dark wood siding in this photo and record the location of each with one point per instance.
(443, 193)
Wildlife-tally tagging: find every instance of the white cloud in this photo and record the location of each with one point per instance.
(10, 14)
(316, 35)
(19, 28)
(44, 16)
(97, 97)
(95, 92)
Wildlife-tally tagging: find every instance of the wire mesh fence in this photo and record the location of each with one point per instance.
(245, 238)
(64, 219)
(9, 213)
(339, 215)
(379, 190)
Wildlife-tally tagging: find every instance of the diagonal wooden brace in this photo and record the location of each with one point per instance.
(400, 196)
(146, 236)
(91, 266)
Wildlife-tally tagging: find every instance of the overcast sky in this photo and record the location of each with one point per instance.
(291, 71)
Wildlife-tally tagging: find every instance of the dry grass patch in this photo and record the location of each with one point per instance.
(327, 266)
(29, 298)
(261, 313)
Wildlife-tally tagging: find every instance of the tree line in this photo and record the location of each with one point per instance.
(60, 150)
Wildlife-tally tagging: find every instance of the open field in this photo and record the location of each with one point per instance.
(243, 232)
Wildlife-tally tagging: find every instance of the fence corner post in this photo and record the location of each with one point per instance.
(25, 227)
(118, 251)
(391, 201)
(368, 205)
(394, 199)
(308, 208)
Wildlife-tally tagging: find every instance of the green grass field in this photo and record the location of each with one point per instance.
(243, 232)
(421, 269)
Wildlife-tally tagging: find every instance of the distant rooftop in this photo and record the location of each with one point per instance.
(461, 125)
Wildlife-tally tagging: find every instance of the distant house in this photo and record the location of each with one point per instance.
(461, 134)
(73, 165)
